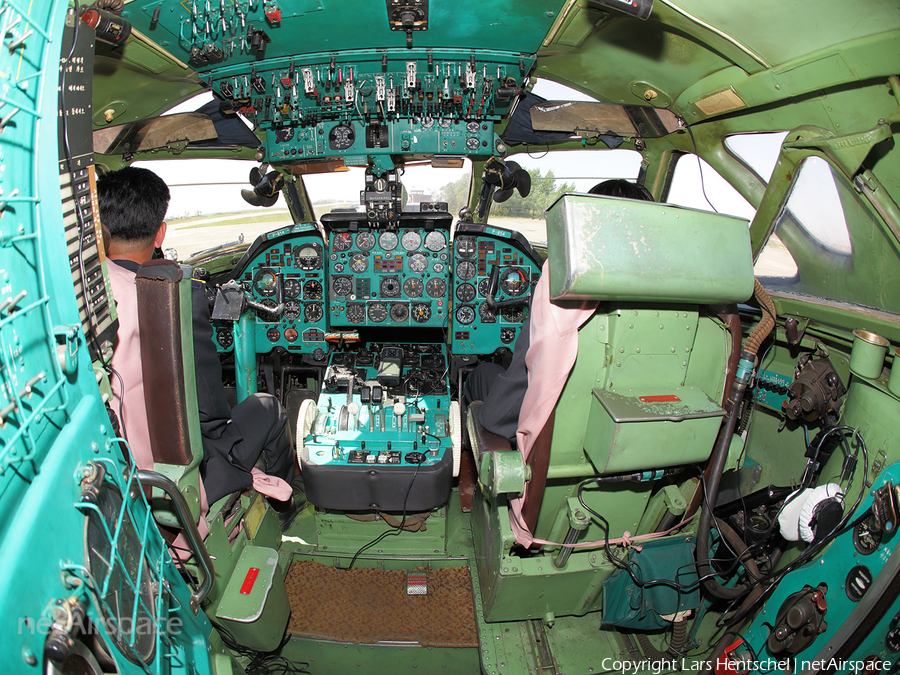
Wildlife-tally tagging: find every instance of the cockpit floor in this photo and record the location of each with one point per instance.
(368, 606)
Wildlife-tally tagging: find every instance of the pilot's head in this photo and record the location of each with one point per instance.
(133, 204)
(622, 188)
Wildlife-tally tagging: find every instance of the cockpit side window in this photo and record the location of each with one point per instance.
(837, 246)
(758, 152)
(698, 185)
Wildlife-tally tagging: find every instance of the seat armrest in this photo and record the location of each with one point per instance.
(500, 466)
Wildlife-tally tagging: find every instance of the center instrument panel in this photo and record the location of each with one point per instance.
(396, 276)
(409, 276)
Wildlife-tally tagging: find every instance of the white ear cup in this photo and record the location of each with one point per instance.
(819, 495)
(789, 518)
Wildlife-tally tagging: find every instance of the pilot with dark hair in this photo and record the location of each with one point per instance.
(255, 434)
(503, 391)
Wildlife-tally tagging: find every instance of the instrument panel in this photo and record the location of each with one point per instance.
(293, 257)
(485, 318)
(388, 276)
(410, 276)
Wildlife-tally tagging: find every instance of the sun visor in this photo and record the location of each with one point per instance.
(612, 249)
(229, 128)
(519, 130)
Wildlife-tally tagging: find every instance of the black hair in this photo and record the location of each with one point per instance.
(618, 187)
(133, 203)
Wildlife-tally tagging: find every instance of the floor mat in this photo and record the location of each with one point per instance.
(366, 606)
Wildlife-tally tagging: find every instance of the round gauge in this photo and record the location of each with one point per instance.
(421, 312)
(313, 312)
(356, 312)
(273, 334)
(483, 287)
(514, 281)
(284, 134)
(339, 267)
(307, 257)
(411, 240)
(465, 247)
(513, 314)
(465, 270)
(342, 286)
(436, 287)
(465, 292)
(438, 267)
(388, 241)
(312, 290)
(465, 315)
(270, 304)
(292, 288)
(343, 241)
(472, 127)
(341, 137)
(427, 122)
(359, 263)
(264, 282)
(365, 241)
(858, 581)
(399, 313)
(507, 335)
(377, 312)
(390, 287)
(866, 538)
(445, 122)
(291, 334)
(413, 287)
(225, 338)
(418, 263)
(292, 310)
(435, 241)
(486, 314)
(892, 640)
(472, 143)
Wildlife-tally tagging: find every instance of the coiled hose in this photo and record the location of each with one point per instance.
(720, 454)
(676, 644)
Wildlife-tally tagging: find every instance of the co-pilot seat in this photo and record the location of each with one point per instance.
(642, 400)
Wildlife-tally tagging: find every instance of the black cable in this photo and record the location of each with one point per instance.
(618, 562)
(699, 164)
(386, 533)
(262, 663)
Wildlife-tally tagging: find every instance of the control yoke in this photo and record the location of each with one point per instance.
(232, 301)
(492, 291)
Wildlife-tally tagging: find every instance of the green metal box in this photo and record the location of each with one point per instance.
(637, 430)
(606, 248)
(255, 607)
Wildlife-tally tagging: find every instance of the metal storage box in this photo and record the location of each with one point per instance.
(606, 248)
(636, 430)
